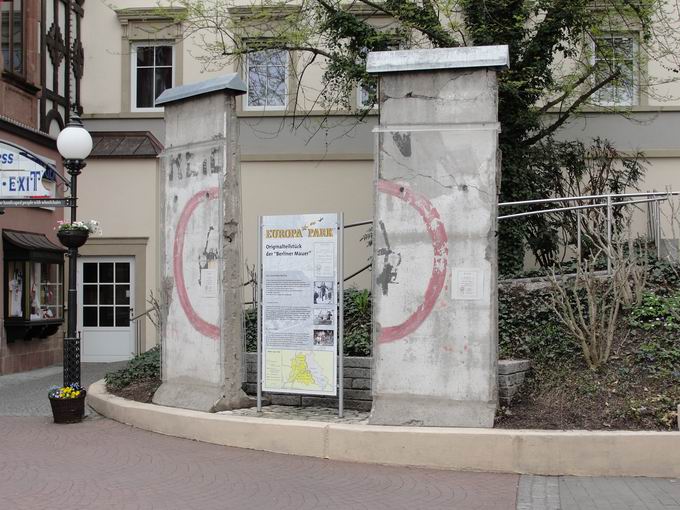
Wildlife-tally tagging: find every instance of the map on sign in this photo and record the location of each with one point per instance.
(308, 371)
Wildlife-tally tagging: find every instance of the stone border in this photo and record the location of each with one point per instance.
(538, 452)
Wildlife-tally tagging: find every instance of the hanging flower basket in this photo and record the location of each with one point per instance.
(68, 404)
(74, 235)
(73, 238)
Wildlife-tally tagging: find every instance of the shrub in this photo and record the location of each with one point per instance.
(144, 366)
(528, 328)
(656, 311)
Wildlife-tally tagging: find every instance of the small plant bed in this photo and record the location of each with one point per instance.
(638, 388)
(140, 379)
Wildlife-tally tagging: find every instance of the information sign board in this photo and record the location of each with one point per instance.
(299, 257)
(22, 173)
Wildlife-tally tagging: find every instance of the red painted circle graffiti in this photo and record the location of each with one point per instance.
(435, 228)
(202, 326)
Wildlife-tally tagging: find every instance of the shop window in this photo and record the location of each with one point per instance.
(12, 35)
(34, 285)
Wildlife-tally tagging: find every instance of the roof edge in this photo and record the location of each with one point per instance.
(464, 57)
(230, 83)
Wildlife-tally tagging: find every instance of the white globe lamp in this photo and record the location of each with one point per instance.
(74, 141)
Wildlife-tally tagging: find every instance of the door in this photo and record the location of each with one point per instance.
(105, 305)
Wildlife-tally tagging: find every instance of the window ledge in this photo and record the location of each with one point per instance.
(20, 82)
(21, 329)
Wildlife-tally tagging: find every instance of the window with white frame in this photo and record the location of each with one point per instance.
(267, 76)
(153, 71)
(616, 52)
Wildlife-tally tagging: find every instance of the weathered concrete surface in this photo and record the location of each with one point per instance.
(201, 254)
(545, 452)
(435, 337)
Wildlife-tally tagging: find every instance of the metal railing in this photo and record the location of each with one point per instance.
(608, 201)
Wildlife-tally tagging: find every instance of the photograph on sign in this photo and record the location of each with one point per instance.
(299, 275)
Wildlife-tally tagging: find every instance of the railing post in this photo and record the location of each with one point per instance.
(578, 237)
(657, 206)
(609, 235)
(258, 304)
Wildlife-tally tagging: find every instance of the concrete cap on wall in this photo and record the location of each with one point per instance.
(230, 83)
(464, 57)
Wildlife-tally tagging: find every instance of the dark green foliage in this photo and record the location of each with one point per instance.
(250, 329)
(528, 328)
(537, 33)
(656, 311)
(662, 356)
(664, 273)
(146, 365)
(358, 322)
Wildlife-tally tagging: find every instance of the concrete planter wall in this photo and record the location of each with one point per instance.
(358, 380)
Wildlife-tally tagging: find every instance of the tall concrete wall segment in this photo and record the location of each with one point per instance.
(201, 247)
(434, 288)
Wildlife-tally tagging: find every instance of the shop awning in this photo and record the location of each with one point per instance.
(30, 246)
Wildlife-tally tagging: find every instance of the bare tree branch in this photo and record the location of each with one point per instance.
(568, 112)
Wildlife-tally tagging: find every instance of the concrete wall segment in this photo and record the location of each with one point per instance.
(201, 256)
(435, 223)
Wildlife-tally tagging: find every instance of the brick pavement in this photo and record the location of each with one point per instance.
(25, 393)
(101, 464)
(597, 493)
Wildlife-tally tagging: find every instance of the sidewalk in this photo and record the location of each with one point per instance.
(102, 464)
(25, 393)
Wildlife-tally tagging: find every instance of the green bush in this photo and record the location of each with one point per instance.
(144, 366)
(358, 322)
(661, 356)
(663, 273)
(528, 328)
(656, 311)
(250, 329)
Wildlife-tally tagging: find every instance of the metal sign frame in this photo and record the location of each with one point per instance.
(339, 307)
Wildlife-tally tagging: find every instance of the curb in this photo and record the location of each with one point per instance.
(539, 452)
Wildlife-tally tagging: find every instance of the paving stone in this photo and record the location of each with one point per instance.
(360, 405)
(284, 412)
(102, 465)
(285, 400)
(597, 493)
(25, 393)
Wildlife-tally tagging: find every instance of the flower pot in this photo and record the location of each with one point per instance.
(73, 238)
(68, 410)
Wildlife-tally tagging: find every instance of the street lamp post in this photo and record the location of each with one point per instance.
(74, 144)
